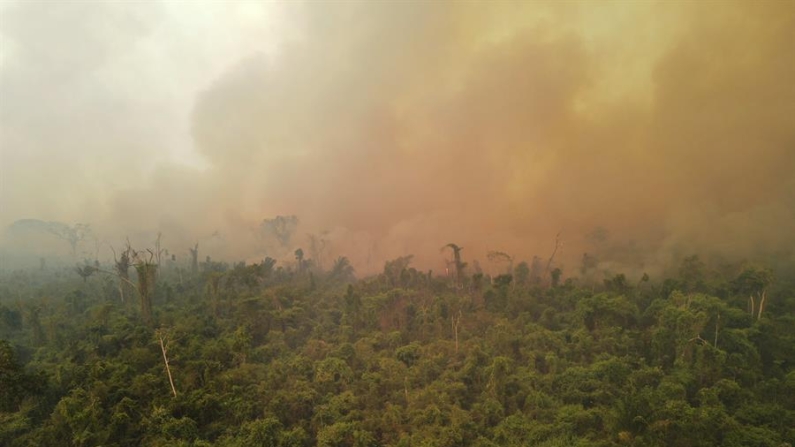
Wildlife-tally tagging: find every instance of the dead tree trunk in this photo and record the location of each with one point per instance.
(456, 323)
(558, 244)
(164, 348)
(459, 264)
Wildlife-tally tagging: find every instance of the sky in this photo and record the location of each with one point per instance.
(639, 131)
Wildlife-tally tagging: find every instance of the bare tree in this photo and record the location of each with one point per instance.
(163, 337)
(146, 270)
(456, 324)
(558, 244)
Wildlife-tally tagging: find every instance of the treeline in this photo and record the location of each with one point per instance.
(263, 355)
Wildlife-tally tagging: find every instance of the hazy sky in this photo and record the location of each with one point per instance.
(400, 126)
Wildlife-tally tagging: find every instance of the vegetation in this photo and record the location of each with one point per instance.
(268, 355)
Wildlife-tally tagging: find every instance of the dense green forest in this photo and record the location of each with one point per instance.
(151, 352)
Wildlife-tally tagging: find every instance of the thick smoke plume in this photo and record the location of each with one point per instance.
(642, 132)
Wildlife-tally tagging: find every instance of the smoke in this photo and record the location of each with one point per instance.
(396, 128)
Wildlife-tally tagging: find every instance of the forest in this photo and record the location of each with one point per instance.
(350, 223)
(151, 351)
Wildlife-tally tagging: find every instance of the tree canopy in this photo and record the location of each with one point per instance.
(269, 355)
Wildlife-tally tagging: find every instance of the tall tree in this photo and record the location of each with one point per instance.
(457, 262)
(299, 257)
(754, 281)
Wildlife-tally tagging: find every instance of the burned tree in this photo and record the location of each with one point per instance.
(558, 244)
(554, 274)
(146, 270)
(459, 265)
